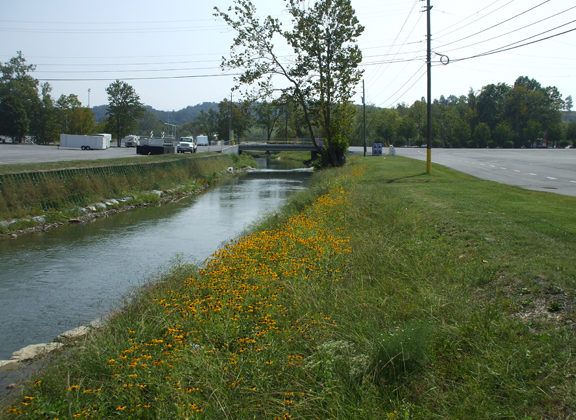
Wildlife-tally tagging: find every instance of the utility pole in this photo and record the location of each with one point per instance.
(364, 116)
(89, 98)
(429, 89)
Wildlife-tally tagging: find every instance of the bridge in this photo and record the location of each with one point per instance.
(273, 146)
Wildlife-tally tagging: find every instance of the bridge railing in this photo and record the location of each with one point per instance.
(294, 140)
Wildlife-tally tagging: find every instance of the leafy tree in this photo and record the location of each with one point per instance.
(387, 126)
(532, 110)
(45, 127)
(568, 103)
(235, 116)
(482, 136)
(267, 115)
(324, 72)
(503, 135)
(14, 121)
(149, 122)
(207, 123)
(124, 108)
(491, 102)
(19, 101)
(82, 121)
(66, 106)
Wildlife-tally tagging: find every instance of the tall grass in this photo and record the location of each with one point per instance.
(382, 292)
(31, 193)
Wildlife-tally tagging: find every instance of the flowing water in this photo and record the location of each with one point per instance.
(56, 281)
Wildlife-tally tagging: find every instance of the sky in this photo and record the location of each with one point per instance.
(170, 51)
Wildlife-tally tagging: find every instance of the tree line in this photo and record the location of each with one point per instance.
(28, 110)
(525, 114)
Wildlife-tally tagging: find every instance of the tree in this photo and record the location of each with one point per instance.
(82, 121)
(324, 72)
(124, 108)
(19, 101)
(481, 135)
(568, 103)
(66, 106)
(207, 123)
(267, 115)
(533, 111)
(45, 128)
(233, 116)
(503, 135)
(490, 103)
(149, 122)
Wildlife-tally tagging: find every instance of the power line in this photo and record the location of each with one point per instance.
(461, 25)
(412, 76)
(103, 23)
(115, 31)
(515, 30)
(195, 76)
(506, 48)
(379, 73)
(126, 71)
(495, 25)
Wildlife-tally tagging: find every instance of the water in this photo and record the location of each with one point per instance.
(55, 281)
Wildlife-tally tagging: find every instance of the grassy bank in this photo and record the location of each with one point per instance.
(57, 191)
(380, 293)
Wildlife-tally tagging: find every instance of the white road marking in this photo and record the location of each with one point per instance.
(573, 182)
(532, 174)
(517, 171)
(503, 168)
(551, 178)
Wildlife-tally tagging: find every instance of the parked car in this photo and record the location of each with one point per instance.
(186, 146)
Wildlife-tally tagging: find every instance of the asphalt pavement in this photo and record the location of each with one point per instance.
(551, 170)
(33, 153)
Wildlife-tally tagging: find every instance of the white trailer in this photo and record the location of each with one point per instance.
(79, 141)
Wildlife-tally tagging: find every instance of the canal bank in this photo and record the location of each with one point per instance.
(45, 199)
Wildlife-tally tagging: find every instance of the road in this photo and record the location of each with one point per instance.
(552, 170)
(31, 153)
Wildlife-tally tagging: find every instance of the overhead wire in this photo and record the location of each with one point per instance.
(380, 71)
(513, 46)
(495, 25)
(410, 78)
(512, 31)
(193, 76)
(461, 25)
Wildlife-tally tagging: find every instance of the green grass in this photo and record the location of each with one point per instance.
(382, 292)
(74, 164)
(68, 187)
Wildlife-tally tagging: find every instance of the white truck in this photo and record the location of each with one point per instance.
(84, 142)
(202, 140)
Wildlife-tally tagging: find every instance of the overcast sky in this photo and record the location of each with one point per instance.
(170, 50)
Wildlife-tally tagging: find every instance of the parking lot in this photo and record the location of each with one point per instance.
(32, 153)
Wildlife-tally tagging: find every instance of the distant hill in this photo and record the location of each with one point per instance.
(174, 117)
(569, 116)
